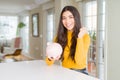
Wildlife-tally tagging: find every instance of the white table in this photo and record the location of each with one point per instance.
(38, 70)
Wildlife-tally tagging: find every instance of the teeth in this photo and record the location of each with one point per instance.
(68, 25)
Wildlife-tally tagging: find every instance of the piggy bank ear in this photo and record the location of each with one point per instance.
(48, 43)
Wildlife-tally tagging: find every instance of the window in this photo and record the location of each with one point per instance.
(91, 15)
(8, 26)
(90, 21)
(50, 25)
(25, 35)
(94, 20)
(8, 29)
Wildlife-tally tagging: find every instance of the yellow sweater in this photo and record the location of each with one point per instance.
(80, 54)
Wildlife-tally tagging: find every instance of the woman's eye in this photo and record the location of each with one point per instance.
(71, 17)
(63, 18)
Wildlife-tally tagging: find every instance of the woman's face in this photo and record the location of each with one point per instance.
(68, 20)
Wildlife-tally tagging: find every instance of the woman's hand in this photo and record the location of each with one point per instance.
(50, 58)
(53, 59)
(82, 32)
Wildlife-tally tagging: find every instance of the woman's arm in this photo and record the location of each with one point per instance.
(82, 48)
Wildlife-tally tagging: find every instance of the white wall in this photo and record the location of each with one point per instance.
(112, 47)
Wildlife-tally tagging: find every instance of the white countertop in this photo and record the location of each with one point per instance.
(38, 70)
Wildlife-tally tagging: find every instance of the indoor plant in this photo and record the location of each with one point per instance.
(19, 27)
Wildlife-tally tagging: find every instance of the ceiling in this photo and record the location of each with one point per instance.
(16, 6)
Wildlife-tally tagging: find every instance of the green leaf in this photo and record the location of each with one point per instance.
(21, 25)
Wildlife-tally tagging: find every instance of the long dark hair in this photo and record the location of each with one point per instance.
(62, 31)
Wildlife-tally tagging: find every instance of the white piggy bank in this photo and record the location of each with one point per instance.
(53, 50)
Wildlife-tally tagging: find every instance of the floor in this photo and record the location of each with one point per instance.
(15, 58)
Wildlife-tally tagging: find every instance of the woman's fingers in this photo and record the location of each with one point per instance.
(51, 58)
(83, 31)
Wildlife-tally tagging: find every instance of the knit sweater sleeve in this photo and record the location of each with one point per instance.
(49, 62)
(82, 49)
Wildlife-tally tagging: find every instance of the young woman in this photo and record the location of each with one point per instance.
(74, 39)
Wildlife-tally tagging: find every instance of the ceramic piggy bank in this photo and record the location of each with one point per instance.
(53, 50)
